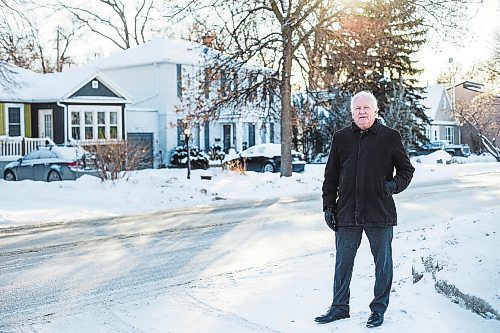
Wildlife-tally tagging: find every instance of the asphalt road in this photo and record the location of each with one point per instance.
(57, 269)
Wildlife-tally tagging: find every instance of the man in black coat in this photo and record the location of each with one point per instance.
(357, 196)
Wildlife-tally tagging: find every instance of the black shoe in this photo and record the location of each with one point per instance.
(376, 319)
(332, 315)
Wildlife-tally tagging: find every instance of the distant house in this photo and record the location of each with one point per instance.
(464, 92)
(157, 75)
(78, 106)
(461, 94)
(443, 124)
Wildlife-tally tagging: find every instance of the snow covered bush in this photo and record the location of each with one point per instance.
(215, 153)
(198, 159)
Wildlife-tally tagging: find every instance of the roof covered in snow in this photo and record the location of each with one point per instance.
(155, 51)
(432, 99)
(35, 87)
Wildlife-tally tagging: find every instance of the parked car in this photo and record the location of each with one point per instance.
(51, 164)
(266, 157)
(450, 148)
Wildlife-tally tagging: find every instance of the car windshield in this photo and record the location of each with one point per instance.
(265, 149)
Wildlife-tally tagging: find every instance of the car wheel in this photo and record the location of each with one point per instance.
(268, 167)
(53, 176)
(9, 176)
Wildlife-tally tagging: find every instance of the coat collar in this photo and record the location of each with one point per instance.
(374, 128)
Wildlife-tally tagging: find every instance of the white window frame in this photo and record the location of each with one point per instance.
(449, 134)
(428, 132)
(21, 110)
(107, 109)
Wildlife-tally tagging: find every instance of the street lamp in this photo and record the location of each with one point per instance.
(452, 85)
(187, 134)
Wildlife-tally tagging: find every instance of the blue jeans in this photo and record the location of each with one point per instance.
(347, 241)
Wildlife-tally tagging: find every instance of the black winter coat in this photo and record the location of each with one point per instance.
(359, 164)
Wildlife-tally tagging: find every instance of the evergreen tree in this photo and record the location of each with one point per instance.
(372, 50)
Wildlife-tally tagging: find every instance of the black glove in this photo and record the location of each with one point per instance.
(330, 218)
(390, 187)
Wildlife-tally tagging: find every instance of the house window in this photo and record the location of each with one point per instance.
(271, 132)
(14, 121)
(89, 126)
(450, 134)
(251, 135)
(95, 84)
(180, 133)
(179, 80)
(99, 124)
(235, 82)
(206, 131)
(113, 125)
(75, 125)
(223, 84)
(47, 125)
(206, 83)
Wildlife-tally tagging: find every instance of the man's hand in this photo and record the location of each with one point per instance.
(330, 218)
(390, 187)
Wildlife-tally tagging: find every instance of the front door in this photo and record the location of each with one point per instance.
(251, 135)
(45, 128)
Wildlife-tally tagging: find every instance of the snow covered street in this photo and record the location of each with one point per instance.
(254, 265)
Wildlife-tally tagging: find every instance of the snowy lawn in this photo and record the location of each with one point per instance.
(166, 189)
(459, 251)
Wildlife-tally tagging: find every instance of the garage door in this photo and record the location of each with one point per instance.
(144, 142)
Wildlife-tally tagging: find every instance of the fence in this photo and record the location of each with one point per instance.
(19, 146)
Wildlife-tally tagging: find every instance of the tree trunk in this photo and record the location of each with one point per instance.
(286, 119)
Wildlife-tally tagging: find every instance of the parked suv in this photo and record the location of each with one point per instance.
(450, 148)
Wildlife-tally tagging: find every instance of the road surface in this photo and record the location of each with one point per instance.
(55, 271)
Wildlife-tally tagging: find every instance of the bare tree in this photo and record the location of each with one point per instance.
(9, 42)
(482, 116)
(18, 47)
(488, 72)
(21, 42)
(123, 23)
(265, 33)
(117, 160)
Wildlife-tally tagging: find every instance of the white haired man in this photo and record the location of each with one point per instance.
(357, 196)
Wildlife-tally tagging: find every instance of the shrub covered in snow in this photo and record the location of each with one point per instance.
(198, 159)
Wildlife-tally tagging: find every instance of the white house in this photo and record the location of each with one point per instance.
(157, 75)
(444, 125)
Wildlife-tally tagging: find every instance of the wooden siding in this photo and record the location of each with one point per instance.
(87, 90)
(27, 120)
(2, 119)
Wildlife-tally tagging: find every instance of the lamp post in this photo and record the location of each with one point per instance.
(452, 85)
(187, 134)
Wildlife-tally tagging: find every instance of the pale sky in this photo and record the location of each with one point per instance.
(476, 46)
(434, 58)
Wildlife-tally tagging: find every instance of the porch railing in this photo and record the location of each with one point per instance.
(20, 146)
